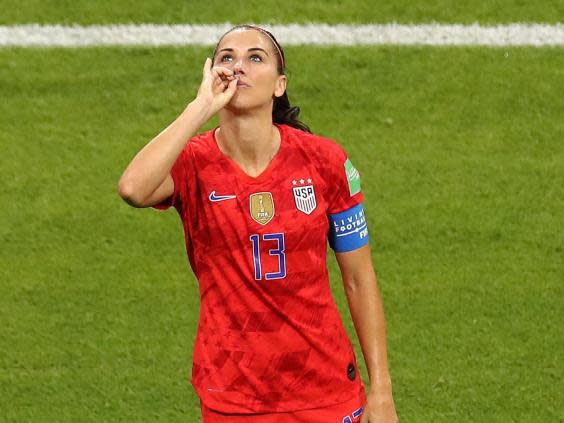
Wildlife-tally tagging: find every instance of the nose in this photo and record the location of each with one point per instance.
(238, 66)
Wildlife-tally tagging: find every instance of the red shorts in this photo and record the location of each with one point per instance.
(345, 412)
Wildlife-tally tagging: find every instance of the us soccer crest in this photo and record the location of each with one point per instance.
(304, 196)
(262, 207)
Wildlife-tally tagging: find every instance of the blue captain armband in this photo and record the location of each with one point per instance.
(348, 230)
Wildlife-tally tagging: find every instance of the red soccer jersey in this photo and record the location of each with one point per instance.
(270, 337)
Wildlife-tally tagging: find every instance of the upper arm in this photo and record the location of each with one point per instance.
(348, 229)
(163, 192)
(159, 195)
(170, 192)
(173, 190)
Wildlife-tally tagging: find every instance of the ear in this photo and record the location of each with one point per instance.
(281, 83)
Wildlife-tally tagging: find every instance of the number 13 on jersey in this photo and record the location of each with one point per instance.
(278, 251)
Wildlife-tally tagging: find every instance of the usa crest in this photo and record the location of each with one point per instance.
(262, 207)
(304, 196)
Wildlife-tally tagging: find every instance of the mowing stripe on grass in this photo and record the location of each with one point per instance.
(33, 35)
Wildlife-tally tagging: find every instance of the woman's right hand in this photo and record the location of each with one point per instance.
(218, 86)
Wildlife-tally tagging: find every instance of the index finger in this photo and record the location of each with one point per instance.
(222, 70)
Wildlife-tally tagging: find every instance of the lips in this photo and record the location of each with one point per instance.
(241, 83)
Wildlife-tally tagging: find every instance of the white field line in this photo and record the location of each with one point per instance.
(33, 35)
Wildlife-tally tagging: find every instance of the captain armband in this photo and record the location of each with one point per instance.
(348, 230)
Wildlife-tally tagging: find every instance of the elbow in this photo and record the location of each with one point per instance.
(349, 280)
(358, 284)
(351, 285)
(127, 191)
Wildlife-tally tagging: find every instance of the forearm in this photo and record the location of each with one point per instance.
(153, 162)
(367, 312)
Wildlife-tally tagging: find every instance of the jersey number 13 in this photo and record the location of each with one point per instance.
(278, 251)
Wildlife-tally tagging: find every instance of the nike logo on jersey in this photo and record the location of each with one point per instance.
(214, 197)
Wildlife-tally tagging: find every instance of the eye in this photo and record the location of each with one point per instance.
(252, 56)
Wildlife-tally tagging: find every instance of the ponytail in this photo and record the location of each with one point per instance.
(283, 113)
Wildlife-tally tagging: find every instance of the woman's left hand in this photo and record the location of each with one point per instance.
(379, 410)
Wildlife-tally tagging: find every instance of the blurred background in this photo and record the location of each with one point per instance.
(461, 155)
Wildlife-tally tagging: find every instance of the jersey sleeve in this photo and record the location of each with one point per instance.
(347, 223)
(179, 173)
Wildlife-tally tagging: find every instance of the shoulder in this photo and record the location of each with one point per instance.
(199, 145)
(203, 140)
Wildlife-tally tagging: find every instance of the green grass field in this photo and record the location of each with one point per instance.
(461, 152)
(273, 11)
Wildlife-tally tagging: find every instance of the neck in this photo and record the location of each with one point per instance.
(250, 140)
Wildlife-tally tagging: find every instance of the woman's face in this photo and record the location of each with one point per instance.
(251, 55)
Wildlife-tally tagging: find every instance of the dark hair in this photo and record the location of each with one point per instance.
(282, 111)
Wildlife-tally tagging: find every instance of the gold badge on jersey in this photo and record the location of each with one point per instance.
(262, 207)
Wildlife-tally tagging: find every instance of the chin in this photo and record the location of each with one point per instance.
(241, 104)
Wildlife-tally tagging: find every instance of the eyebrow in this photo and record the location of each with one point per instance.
(251, 49)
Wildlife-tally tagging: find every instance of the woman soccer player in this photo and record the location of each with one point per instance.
(259, 197)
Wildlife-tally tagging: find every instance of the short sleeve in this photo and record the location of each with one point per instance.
(179, 174)
(344, 184)
(348, 228)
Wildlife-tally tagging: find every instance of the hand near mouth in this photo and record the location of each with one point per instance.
(218, 86)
